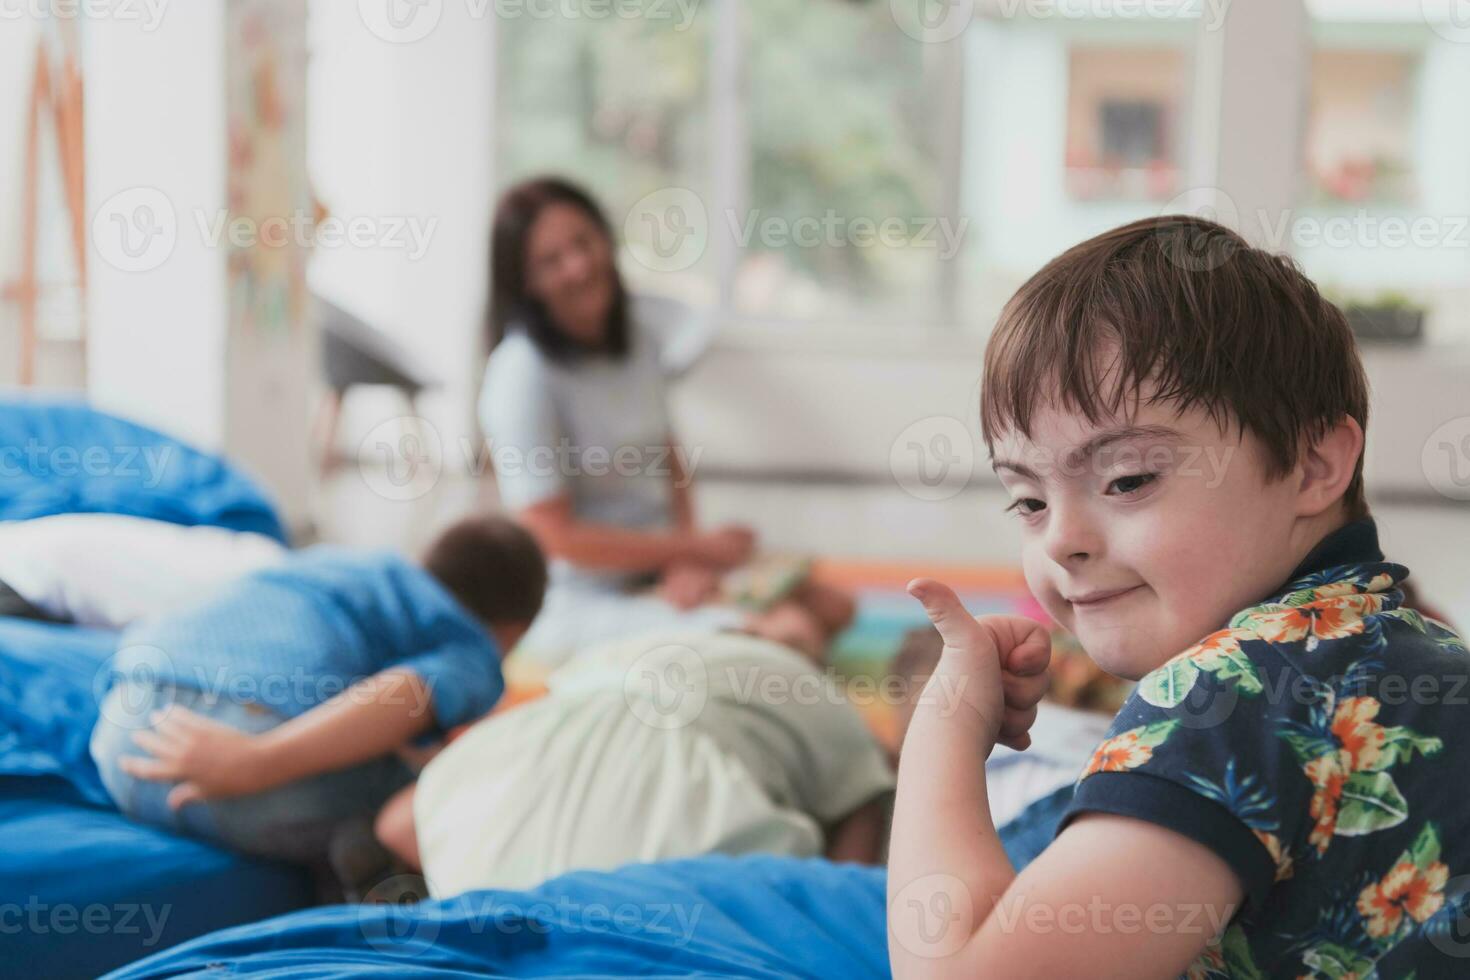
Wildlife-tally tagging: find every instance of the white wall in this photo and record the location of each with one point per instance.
(162, 349)
(17, 58)
(155, 119)
(404, 131)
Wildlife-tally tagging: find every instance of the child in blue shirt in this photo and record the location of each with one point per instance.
(275, 710)
(1179, 420)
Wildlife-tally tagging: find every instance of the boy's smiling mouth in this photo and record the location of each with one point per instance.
(1099, 598)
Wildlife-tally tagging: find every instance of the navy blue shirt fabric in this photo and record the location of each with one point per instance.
(1319, 745)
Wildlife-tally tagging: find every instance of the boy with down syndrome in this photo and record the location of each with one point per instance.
(1283, 793)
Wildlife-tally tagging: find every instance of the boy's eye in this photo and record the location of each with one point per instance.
(1027, 505)
(1128, 484)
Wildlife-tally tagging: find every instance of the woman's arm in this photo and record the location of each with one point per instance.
(209, 759)
(682, 489)
(604, 546)
(1112, 896)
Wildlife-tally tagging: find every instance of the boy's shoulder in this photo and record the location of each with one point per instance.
(1313, 701)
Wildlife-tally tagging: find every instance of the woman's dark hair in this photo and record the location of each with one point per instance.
(511, 304)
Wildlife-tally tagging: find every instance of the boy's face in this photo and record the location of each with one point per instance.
(1141, 535)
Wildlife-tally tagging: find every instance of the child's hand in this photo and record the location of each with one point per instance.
(207, 759)
(1001, 659)
(687, 584)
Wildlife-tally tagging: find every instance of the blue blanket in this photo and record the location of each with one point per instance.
(83, 890)
(762, 917)
(756, 916)
(62, 457)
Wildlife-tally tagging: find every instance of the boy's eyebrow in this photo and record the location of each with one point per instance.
(1091, 446)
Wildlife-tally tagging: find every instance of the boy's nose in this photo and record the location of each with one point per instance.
(1071, 538)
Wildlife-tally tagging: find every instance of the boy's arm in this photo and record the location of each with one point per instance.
(956, 906)
(209, 759)
(395, 829)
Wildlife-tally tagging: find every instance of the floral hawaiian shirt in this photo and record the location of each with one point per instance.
(1320, 744)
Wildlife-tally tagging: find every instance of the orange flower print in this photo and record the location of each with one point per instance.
(1328, 773)
(1130, 749)
(1322, 619)
(1221, 643)
(1360, 736)
(1378, 583)
(1119, 753)
(1405, 890)
(1360, 744)
(1279, 854)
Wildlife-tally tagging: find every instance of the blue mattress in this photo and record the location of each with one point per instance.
(84, 889)
(63, 457)
(762, 917)
(757, 916)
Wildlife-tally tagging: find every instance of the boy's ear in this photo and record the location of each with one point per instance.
(1327, 467)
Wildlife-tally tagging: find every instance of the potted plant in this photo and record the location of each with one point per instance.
(1386, 318)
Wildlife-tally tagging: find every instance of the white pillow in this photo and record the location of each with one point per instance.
(108, 570)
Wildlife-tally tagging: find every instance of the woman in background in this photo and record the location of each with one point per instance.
(575, 408)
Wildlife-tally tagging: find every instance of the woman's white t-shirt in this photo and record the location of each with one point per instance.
(597, 429)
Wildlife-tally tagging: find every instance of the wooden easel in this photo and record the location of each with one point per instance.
(55, 91)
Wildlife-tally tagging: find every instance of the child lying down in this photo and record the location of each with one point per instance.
(275, 710)
(663, 746)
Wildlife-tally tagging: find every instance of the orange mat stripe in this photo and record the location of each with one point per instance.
(896, 574)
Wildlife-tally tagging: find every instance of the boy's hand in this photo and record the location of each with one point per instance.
(207, 759)
(1002, 660)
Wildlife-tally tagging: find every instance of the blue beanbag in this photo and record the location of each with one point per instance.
(63, 457)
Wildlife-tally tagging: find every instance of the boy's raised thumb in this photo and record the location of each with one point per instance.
(955, 625)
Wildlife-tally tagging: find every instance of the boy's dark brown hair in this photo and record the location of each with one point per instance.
(1189, 305)
(493, 567)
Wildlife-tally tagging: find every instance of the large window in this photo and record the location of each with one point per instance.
(1383, 218)
(843, 162)
(619, 104)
